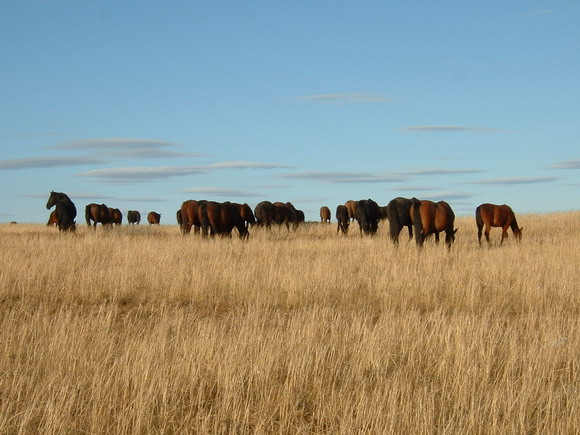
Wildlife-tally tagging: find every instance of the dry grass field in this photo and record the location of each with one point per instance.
(138, 330)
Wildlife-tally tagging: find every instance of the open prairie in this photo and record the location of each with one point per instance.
(140, 330)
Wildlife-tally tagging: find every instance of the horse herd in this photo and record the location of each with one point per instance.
(421, 217)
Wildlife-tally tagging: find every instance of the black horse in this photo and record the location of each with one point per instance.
(66, 211)
(368, 214)
(399, 216)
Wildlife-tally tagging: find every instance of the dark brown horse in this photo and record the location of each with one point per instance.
(285, 213)
(432, 218)
(154, 218)
(116, 216)
(133, 217)
(98, 213)
(66, 211)
(324, 214)
(351, 207)
(399, 216)
(190, 216)
(246, 214)
(52, 219)
(342, 218)
(221, 218)
(492, 215)
(367, 214)
(264, 213)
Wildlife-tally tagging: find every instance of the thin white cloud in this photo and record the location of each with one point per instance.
(46, 162)
(440, 171)
(245, 165)
(344, 177)
(446, 196)
(508, 181)
(219, 191)
(451, 129)
(112, 143)
(134, 174)
(414, 188)
(347, 98)
(568, 164)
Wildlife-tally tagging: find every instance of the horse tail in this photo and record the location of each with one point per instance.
(88, 215)
(417, 223)
(204, 219)
(478, 218)
(395, 224)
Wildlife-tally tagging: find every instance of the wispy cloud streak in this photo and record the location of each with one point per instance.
(568, 164)
(220, 191)
(451, 129)
(348, 98)
(507, 181)
(47, 162)
(344, 177)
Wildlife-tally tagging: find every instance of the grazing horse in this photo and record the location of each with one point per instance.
(432, 218)
(285, 213)
(66, 211)
(133, 217)
(153, 218)
(351, 207)
(52, 219)
(116, 216)
(190, 216)
(246, 214)
(492, 215)
(399, 216)
(98, 213)
(342, 218)
(300, 217)
(264, 213)
(368, 214)
(324, 214)
(221, 218)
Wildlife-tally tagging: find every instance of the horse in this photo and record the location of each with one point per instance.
(324, 214)
(492, 215)
(179, 218)
(116, 216)
(246, 214)
(133, 217)
(66, 211)
(221, 218)
(52, 219)
(153, 218)
(300, 217)
(285, 213)
(351, 207)
(399, 216)
(98, 213)
(367, 214)
(190, 216)
(432, 218)
(342, 218)
(264, 213)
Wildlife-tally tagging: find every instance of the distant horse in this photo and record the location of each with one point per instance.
(98, 213)
(153, 218)
(133, 217)
(221, 218)
(264, 213)
(384, 212)
(351, 207)
(324, 214)
(285, 213)
(492, 215)
(300, 216)
(246, 213)
(432, 218)
(52, 219)
(399, 216)
(342, 219)
(190, 216)
(116, 216)
(367, 214)
(66, 211)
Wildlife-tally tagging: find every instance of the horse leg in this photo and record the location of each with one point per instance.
(487, 230)
(436, 238)
(410, 227)
(504, 233)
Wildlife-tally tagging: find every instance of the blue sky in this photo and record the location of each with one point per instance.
(144, 104)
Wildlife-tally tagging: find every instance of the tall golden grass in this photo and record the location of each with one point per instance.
(140, 330)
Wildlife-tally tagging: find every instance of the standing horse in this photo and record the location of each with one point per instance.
(432, 218)
(116, 216)
(342, 219)
(368, 215)
(221, 218)
(246, 213)
(399, 216)
(98, 213)
(264, 213)
(66, 211)
(190, 216)
(492, 215)
(133, 217)
(351, 207)
(324, 214)
(153, 218)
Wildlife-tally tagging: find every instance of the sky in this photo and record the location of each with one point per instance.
(142, 105)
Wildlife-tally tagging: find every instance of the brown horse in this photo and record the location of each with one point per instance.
(52, 219)
(264, 213)
(432, 218)
(492, 215)
(342, 219)
(65, 210)
(153, 218)
(97, 213)
(116, 216)
(221, 218)
(351, 207)
(324, 214)
(190, 216)
(133, 217)
(246, 214)
(399, 216)
(285, 213)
